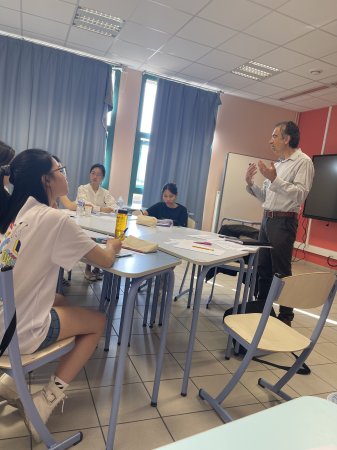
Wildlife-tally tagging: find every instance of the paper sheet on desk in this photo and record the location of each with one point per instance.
(195, 247)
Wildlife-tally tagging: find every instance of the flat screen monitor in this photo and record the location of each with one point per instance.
(321, 202)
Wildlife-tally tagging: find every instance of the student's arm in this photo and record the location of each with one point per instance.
(104, 257)
(67, 203)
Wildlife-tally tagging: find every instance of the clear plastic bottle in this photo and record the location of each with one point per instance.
(80, 207)
(121, 222)
(120, 202)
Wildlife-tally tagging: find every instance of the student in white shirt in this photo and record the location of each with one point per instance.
(101, 199)
(40, 240)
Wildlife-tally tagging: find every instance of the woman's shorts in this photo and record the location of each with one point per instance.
(53, 332)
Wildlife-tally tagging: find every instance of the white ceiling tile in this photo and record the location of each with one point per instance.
(331, 27)
(119, 8)
(10, 18)
(271, 3)
(203, 72)
(169, 62)
(287, 80)
(185, 77)
(50, 9)
(273, 102)
(329, 80)
(189, 6)
(144, 36)
(13, 4)
(262, 89)
(284, 59)
(313, 103)
(85, 49)
(281, 94)
(130, 51)
(11, 30)
(89, 39)
(331, 58)
(246, 46)
(159, 17)
(233, 81)
(205, 32)
(304, 70)
(313, 12)
(238, 15)
(278, 29)
(222, 60)
(56, 30)
(330, 98)
(44, 39)
(328, 91)
(307, 86)
(315, 44)
(185, 49)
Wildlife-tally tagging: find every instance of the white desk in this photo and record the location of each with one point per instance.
(300, 424)
(161, 236)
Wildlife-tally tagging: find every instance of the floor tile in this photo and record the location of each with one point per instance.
(15, 443)
(11, 423)
(212, 340)
(306, 384)
(102, 372)
(92, 439)
(134, 404)
(203, 363)
(146, 366)
(170, 402)
(143, 435)
(182, 426)
(178, 342)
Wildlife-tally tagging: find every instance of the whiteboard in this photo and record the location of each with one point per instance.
(235, 201)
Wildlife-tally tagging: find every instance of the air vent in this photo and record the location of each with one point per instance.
(308, 91)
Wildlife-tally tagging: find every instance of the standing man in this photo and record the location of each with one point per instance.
(287, 185)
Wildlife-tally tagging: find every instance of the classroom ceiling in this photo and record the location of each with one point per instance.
(202, 41)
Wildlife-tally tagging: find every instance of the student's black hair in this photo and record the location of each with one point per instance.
(98, 166)
(25, 173)
(172, 187)
(290, 129)
(7, 153)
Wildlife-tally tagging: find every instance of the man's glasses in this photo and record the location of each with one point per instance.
(62, 170)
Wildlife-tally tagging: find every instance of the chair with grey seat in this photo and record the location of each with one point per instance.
(262, 334)
(17, 366)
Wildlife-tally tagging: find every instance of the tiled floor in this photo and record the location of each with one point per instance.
(141, 426)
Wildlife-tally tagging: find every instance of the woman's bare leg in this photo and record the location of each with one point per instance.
(88, 327)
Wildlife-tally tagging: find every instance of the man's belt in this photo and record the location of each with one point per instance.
(272, 214)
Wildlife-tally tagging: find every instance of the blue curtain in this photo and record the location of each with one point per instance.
(56, 101)
(180, 148)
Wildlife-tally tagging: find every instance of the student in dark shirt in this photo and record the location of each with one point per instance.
(168, 208)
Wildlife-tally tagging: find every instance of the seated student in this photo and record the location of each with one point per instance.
(41, 240)
(98, 197)
(6, 156)
(94, 193)
(169, 209)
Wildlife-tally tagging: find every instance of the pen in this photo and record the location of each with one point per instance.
(122, 235)
(203, 248)
(203, 243)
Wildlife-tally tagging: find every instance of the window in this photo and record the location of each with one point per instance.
(111, 121)
(142, 140)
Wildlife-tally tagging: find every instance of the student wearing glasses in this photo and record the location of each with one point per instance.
(42, 240)
(94, 193)
(101, 200)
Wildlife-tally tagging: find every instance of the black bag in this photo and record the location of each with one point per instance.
(257, 307)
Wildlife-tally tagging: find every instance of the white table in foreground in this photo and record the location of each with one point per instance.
(300, 424)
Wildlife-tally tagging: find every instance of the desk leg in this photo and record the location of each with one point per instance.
(163, 334)
(190, 293)
(196, 308)
(121, 363)
(111, 308)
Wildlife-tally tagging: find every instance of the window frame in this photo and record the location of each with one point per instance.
(139, 137)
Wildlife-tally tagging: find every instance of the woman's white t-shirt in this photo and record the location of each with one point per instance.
(101, 197)
(41, 241)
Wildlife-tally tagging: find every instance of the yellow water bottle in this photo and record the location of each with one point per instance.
(121, 223)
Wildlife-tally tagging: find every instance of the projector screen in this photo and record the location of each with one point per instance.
(321, 202)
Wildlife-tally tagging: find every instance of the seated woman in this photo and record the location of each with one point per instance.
(168, 208)
(99, 198)
(93, 192)
(42, 240)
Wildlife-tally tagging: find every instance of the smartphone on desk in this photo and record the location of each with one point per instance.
(100, 240)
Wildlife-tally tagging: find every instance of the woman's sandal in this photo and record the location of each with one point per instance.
(90, 276)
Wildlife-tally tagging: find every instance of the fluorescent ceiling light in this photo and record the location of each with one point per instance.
(255, 71)
(97, 22)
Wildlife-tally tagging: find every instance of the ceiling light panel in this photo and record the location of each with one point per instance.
(255, 71)
(98, 22)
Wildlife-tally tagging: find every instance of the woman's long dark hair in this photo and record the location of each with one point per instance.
(25, 173)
